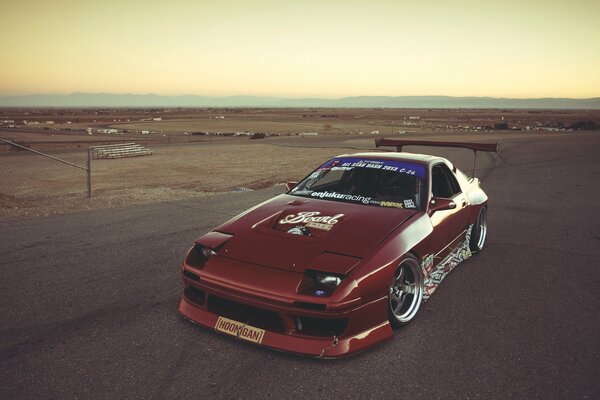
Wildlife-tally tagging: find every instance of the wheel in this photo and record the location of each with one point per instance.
(479, 232)
(406, 292)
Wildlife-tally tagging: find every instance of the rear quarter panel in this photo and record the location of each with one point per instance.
(475, 194)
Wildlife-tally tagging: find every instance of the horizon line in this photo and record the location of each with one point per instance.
(292, 97)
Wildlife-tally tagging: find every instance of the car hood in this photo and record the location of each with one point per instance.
(273, 234)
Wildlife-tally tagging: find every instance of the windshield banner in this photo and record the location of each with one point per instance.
(349, 163)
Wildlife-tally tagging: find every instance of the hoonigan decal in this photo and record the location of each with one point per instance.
(239, 330)
(435, 275)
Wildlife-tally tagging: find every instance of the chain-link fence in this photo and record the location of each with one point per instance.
(45, 176)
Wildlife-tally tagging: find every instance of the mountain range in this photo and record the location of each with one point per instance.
(85, 100)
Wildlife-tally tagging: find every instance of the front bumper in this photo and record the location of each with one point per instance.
(283, 325)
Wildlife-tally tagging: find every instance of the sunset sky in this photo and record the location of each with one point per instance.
(302, 48)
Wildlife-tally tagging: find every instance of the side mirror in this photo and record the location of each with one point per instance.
(290, 185)
(440, 203)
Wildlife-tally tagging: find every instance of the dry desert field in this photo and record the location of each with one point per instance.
(196, 152)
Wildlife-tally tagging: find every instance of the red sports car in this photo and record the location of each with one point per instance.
(329, 267)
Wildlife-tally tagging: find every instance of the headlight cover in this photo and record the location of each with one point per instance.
(198, 255)
(321, 284)
(327, 280)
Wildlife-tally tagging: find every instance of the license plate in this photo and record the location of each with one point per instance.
(239, 330)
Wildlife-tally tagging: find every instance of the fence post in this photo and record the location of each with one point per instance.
(89, 172)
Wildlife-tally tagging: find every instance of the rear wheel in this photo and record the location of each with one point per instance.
(406, 292)
(479, 232)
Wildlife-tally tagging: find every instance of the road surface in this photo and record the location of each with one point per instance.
(89, 302)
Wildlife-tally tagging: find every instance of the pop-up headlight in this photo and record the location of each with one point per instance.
(198, 255)
(321, 284)
(327, 280)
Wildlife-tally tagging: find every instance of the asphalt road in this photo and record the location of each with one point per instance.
(89, 302)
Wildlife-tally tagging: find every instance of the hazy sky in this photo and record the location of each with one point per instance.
(302, 48)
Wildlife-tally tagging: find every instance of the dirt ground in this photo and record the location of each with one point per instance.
(189, 166)
(170, 173)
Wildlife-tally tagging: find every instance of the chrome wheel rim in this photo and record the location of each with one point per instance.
(406, 291)
(481, 228)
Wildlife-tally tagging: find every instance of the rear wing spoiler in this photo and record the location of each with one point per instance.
(399, 143)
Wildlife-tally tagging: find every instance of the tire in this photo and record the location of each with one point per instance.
(479, 233)
(405, 292)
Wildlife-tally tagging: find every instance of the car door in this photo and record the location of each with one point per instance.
(449, 226)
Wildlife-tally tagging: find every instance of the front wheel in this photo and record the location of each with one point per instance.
(406, 292)
(479, 232)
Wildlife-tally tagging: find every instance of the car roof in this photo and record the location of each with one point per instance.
(402, 156)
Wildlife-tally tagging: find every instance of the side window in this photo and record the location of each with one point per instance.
(454, 186)
(443, 182)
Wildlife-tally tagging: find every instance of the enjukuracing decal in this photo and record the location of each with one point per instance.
(341, 196)
(312, 219)
(433, 277)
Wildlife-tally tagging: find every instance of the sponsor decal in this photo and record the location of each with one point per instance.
(312, 219)
(341, 168)
(437, 274)
(239, 330)
(301, 192)
(390, 204)
(384, 165)
(341, 196)
(409, 203)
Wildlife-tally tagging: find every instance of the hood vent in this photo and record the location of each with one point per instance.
(299, 230)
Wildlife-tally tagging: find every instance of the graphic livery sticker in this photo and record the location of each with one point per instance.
(437, 274)
(427, 264)
(384, 165)
(312, 219)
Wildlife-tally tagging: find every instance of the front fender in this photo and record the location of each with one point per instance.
(375, 273)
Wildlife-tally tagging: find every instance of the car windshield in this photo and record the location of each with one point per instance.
(374, 182)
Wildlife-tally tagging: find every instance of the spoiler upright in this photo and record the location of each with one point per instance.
(399, 143)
